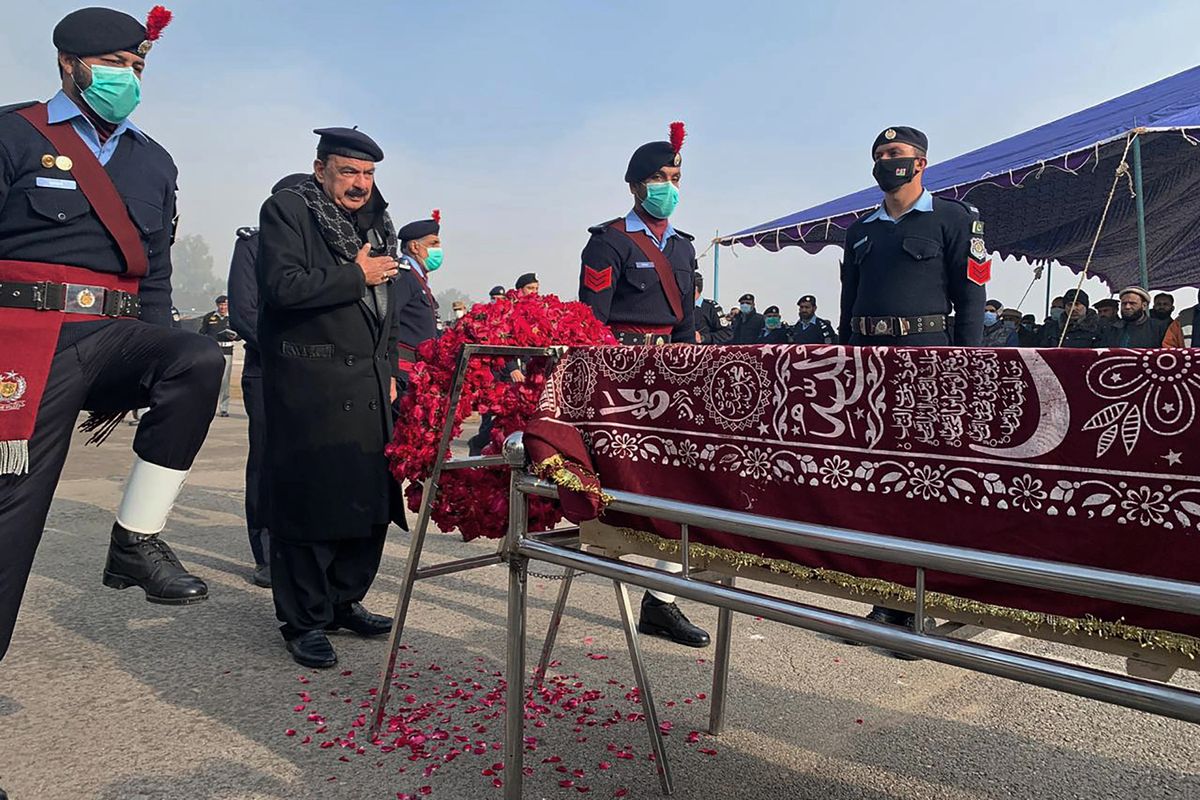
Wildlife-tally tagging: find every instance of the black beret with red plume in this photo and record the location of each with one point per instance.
(421, 228)
(97, 31)
(653, 156)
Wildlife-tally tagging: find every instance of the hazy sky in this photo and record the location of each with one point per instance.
(517, 119)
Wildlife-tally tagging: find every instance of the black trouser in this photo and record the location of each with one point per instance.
(315, 581)
(256, 495)
(121, 366)
(484, 437)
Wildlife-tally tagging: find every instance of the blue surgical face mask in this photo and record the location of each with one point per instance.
(699, 302)
(661, 199)
(990, 317)
(747, 308)
(1057, 314)
(113, 93)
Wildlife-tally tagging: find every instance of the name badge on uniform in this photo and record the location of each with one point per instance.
(644, 264)
(861, 242)
(56, 183)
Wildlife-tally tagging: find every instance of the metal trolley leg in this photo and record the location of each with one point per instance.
(643, 683)
(514, 716)
(560, 606)
(716, 719)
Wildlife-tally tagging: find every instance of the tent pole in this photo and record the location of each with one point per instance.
(1049, 281)
(716, 271)
(1141, 210)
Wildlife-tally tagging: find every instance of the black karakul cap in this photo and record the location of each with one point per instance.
(526, 279)
(295, 179)
(1107, 302)
(901, 134)
(653, 156)
(94, 31)
(348, 142)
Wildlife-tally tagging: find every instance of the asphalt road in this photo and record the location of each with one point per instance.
(106, 696)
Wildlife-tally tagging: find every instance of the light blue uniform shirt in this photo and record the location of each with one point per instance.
(61, 108)
(924, 203)
(634, 223)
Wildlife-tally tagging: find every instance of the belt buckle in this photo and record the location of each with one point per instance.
(84, 299)
(904, 325)
(882, 327)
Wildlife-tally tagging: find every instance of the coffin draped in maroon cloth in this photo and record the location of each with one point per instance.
(1080, 456)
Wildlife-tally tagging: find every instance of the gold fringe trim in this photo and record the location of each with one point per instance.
(554, 469)
(887, 590)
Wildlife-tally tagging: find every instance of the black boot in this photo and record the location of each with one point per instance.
(312, 649)
(666, 620)
(144, 560)
(358, 620)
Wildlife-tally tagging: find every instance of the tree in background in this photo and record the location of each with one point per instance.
(193, 284)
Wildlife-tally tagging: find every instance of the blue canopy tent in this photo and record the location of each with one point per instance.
(1042, 192)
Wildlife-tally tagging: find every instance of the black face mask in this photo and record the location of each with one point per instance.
(892, 173)
(1160, 314)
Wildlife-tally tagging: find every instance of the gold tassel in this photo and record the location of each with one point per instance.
(554, 469)
(887, 590)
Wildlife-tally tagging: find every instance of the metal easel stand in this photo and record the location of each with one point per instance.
(412, 567)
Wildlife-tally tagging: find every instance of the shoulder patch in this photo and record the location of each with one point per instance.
(248, 232)
(17, 106)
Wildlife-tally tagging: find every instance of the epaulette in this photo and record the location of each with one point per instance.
(403, 265)
(970, 208)
(597, 229)
(687, 236)
(247, 232)
(17, 106)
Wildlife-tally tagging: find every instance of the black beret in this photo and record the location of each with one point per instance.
(1107, 302)
(295, 179)
(526, 279)
(348, 142)
(496, 290)
(649, 159)
(746, 298)
(95, 31)
(419, 229)
(808, 298)
(771, 310)
(1081, 297)
(221, 298)
(902, 135)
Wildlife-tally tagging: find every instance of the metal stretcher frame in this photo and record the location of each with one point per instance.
(519, 549)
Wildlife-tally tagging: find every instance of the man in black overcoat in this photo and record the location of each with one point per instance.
(327, 335)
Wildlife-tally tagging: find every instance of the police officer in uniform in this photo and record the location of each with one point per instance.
(417, 310)
(243, 319)
(774, 330)
(909, 264)
(914, 260)
(809, 328)
(709, 327)
(636, 276)
(215, 325)
(87, 202)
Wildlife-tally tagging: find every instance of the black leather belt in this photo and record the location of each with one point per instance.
(898, 326)
(70, 298)
(636, 339)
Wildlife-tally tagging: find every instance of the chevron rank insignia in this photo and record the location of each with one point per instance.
(597, 279)
(979, 272)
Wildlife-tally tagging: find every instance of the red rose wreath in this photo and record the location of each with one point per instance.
(475, 501)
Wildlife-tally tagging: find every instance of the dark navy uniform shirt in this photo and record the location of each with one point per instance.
(915, 266)
(416, 316)
(622, 286)
(45, 217)
(243, 296)
(818, 331)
